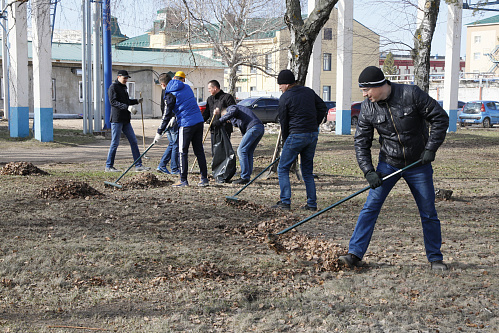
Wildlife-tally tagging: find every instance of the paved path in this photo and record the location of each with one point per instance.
(98, 150)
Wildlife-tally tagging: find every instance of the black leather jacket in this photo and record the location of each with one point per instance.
(402, 124)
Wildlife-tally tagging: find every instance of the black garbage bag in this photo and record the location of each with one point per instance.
(223, 164)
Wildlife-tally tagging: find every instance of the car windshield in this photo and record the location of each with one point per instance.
(247, 101)
(472, 108)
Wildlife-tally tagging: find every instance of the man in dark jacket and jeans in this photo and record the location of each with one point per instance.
(301, 112)
(252, 130)
(120, 121)
(400, 114)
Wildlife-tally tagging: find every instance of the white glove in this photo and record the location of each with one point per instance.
(171, 123)
(132, 109)
(156, 138)
(140, 100)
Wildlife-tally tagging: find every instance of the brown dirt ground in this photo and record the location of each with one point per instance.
(153, 258)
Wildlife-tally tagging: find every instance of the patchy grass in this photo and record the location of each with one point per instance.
(162, 259)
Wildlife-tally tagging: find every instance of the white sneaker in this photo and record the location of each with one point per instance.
(141, 168)
(112, 169)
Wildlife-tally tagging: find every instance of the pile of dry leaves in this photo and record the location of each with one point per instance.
(21, 169)
(143, 180)
(322, 253)
(69, 189)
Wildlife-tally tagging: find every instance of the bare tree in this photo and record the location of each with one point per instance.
(422, 43)
(304, 32)
(228, 26)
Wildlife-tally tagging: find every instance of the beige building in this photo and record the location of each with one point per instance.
(270, 52)
(482, 47)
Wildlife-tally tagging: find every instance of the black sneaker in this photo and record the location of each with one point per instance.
(350, 260)
(307, 207)
(438, 265)
(282, 206)
(241, 181)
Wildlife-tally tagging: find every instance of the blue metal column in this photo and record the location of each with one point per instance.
(107, 60)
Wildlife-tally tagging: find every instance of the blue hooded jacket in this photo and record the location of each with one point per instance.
(186, 108)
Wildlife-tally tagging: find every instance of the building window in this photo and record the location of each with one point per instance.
(239, 69)
(199, 93)
(53, 89)
(253, 88)
(476, 55)
(253, 69)
(328, 33)
(238, 89)
(131, 89)
(327, 62)
(268, 61)
(80, 91)
(478, 39)
(326, 93)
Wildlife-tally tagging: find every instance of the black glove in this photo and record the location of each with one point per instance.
(216, 123)
(427, 156)
(374, 179)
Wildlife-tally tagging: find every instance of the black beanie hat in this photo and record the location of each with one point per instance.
(286, 77)
(371, 76)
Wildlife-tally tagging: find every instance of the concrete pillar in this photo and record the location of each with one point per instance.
(452, 62)
(18, 70)
(344, 67)
(42, 71)
(5, 67)
(314, 67)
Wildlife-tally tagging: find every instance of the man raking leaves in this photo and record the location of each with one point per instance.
(400, 114)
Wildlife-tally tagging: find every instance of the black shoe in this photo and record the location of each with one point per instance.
(241, 181)
(282, 206)
(350, 260)
(438, 265)
(307, 207)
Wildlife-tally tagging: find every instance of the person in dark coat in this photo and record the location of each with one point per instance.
(215, 104)
(120, 122)
(301, 112)
(400, 114)
(252, 130)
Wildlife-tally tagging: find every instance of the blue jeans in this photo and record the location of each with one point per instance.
(302, 144)
(420, 181)
(171, 152)
(247, 148)
(116, 129)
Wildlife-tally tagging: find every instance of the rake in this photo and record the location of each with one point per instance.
(233, 197)
(115, 183)
(273, 237)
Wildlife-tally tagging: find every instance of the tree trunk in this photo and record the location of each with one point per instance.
(304, 33)
(422, 44)
(232, 80)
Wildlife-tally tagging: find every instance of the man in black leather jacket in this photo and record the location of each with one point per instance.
(400, 114)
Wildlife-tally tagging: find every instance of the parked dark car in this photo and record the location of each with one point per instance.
(354, 115)
(482, 112)
(265, 108)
